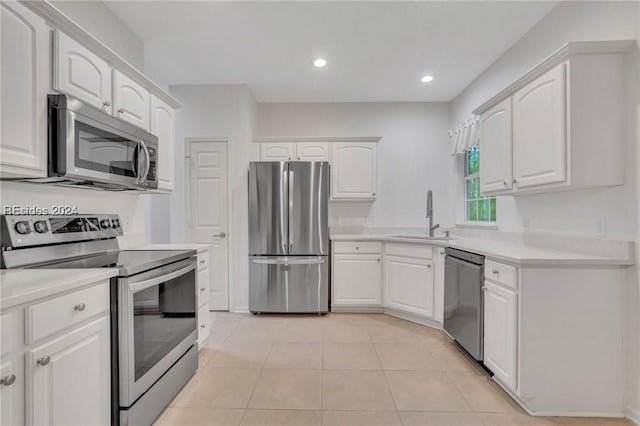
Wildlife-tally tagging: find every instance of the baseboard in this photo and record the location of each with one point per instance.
(541, 413)
(357, 309)
(240, 310)
(633, 415)
(413, 318)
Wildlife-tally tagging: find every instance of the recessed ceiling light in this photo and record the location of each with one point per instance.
(319, 62)
(426, 78)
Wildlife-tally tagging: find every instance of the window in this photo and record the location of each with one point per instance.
(479, 208)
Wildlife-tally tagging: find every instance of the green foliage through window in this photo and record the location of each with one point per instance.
(479, 208)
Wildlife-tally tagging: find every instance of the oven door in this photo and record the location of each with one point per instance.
(90, 145)
(156, 325)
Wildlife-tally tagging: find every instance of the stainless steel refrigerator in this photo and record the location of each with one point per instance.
(288, 237)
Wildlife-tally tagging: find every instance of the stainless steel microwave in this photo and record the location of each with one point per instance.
(90, 148)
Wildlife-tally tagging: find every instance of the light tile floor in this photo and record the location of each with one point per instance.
(342, 370)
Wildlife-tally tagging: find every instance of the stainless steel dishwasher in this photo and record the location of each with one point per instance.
(463, 304)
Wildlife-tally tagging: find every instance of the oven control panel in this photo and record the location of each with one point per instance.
(25, 231)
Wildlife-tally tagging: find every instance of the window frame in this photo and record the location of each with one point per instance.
(467, 177)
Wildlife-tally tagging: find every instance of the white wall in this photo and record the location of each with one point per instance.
(130, 206)
(584, 212)
(221, 112)
(99, 21)
(413, 155)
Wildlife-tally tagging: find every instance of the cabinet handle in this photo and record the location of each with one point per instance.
(120, 110)
(202, 262)
(8, 380)
(504, 183)
(357, 248)
(80, 307)
(495, 272)
(43, 361)
(378, 259)
(515, 181)
(373, 193)
(428, 266)
(203, 288)
(298, 158)
(106, 103)
(484, 288)
(203, 325)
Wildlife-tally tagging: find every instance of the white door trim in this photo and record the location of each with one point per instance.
(188, 141)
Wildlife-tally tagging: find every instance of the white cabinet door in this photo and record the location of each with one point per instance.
(130, 100)
(438, 290)
(500, 338)
(80, 73)
(539, 139)
(162, 125)
(409, 285)
(495, 148)
(12, 389)
(25, 65)
(312, 151)
(353, 171)
(357, 279)
(68, 379)
(284, 151)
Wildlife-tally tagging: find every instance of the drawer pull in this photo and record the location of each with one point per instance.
(106, 103)
(203, 288)
(202, 262)
(8, 380)
(357, 248)
(203, 325)
(121, 110)
(495, 272)
(43, 361)
(80, 307)
(428, 266)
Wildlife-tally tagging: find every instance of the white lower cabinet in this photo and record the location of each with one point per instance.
(203, 283)
(64, 377)
(69, 380)
(357, 281)
(408, 284)
(12, 389)
(500, 332)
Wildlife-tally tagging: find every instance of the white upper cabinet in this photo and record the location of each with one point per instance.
(25, 67)
(130, 100)
(278, 151)
(80, 73)
(495, 148)
(353, 171)
(561, 126)
(312, 151)
(539, 142)
(162, 125)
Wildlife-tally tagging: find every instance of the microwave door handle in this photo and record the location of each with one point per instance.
(135, 161)
(147, 167)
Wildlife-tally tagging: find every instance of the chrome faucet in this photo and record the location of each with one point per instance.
(432, 227)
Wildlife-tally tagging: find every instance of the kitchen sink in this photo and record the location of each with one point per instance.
(421, 237)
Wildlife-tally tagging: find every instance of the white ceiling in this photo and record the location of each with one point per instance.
(376, 51)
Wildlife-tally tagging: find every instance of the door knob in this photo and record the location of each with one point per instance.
(220, 235)
(80, 307)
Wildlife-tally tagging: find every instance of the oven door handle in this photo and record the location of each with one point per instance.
(141, 285)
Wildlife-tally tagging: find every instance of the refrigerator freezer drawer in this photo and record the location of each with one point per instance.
(294, 284)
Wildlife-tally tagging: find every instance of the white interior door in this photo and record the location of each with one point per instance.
(208, 193)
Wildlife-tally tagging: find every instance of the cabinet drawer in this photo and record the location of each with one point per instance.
(500, 273)
(203, 260)
(46, 318)
(357, 247)
(409, 250)
(203, 287)
(204, 324)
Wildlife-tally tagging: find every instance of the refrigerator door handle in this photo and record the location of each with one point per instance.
(290, 216)
(315, 260)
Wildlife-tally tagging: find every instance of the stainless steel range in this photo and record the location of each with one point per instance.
(153, 303)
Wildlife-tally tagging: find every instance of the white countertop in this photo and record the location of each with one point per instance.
(19, 286)
(507, 252)
(181, 246)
